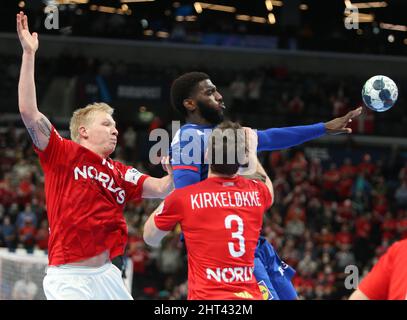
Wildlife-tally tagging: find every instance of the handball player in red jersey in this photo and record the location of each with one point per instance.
(85, 190)
(221, 218)
(388, 278)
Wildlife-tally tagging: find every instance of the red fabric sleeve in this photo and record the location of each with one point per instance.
(54, 150)
(134, 182)
(376, 284)
(170, 212)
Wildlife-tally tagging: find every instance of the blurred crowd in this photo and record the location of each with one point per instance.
(326, 216)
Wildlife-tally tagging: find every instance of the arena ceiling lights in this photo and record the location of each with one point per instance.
(369, 17)
(271, 19)
(394, 27)
(135, 1)
(215, 7)
(70, 1)
(386, 15)
(369, 5)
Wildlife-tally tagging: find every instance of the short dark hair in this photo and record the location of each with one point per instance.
(228, 131)
(182, 88)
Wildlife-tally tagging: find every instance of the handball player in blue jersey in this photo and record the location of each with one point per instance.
(198, 100)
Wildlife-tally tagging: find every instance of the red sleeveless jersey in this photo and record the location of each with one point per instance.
(85, 198)
(221, 219)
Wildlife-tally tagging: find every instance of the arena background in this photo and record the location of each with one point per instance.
(340, 200)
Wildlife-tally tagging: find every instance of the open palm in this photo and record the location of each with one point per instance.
(28, 41)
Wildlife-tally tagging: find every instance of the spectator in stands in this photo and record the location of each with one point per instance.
(169, 260)
(330, 181)
(9, 234)
(27, 233)
(238, 90)
(296, 106)
(129, 138)
(401, 195)
(24, 215)
(254, 93)
(42, 236)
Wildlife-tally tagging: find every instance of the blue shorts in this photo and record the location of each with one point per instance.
(273, 275)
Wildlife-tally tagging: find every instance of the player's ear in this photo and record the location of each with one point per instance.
(190, 104)
(83, 133)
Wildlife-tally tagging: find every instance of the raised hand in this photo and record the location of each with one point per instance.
(166, 164)
(339, 125)
(251, 141)
(28, 41)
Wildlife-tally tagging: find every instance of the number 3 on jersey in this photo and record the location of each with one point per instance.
(237, 235)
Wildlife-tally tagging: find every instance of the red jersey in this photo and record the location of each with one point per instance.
(85, 196)
(388, 278)
(221, 220)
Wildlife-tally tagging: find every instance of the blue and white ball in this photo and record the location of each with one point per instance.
(379, 93)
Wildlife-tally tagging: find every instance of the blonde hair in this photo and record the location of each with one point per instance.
(82, 116)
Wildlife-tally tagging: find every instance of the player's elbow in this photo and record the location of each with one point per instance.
(167, 185)
(28, 116)
(149, 238)
(157, 188)
(151, 242)
(164, 191)
(25, 113)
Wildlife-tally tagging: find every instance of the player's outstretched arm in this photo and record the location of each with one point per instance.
(159, 187)
(258, 173)
(151, 234)
(339, 125)
(37, 124)
(282, 138)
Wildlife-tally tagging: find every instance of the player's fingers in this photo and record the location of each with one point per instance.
(164, 166)
(165, 162)
(342, 131)
(354, 113)
(249, 133)
(25, 23)
(22, 21)
(19, 25)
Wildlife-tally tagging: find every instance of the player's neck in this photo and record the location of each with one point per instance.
(219, 175)
(94, 150)
(197, 119)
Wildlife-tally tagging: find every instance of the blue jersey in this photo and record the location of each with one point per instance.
(189, 145)
(188, 161)
(188, 154)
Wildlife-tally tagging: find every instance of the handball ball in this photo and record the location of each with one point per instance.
(379, 93)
